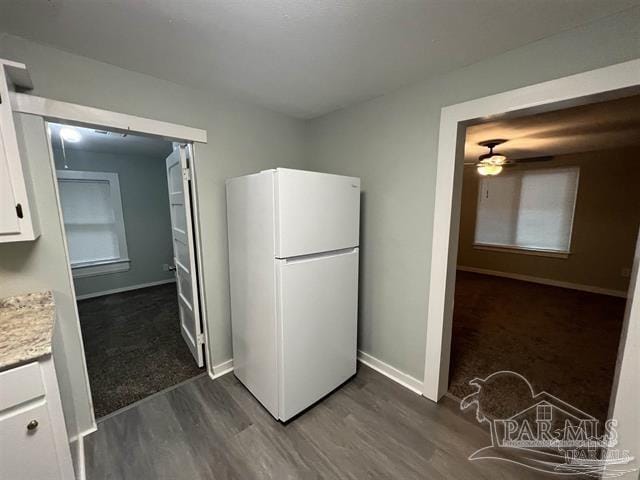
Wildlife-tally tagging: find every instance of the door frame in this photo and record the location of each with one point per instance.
(90, 117)
(606, 83)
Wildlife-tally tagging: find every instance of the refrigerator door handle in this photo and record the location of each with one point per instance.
(318, 256)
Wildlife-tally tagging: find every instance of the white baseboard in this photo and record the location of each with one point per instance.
(545, 281)
(76, 444)
(393, 373)
(124, 289)
(221, 369)
(84, 433)
(370, 361)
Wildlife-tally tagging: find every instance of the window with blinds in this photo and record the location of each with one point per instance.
(527, 209)
(93, 221)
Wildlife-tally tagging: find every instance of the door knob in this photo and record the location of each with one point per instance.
(32, 425)
(172, 268)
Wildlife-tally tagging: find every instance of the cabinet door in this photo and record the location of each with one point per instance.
(28, 452)
(8, 217)
(19, 140)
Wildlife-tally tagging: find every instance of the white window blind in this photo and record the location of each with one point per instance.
(93, 220)
(527, 209)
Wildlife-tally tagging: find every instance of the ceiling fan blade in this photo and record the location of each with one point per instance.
(534, 159)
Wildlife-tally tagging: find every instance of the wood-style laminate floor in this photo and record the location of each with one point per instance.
(370, 428)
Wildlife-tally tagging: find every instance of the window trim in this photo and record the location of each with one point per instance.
(92, 269)
(101, 267)
(517, 249)
(537, 252)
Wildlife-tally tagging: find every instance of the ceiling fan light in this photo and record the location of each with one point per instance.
(491, 158)
(489, 169)
(497, 159)
(69, 134)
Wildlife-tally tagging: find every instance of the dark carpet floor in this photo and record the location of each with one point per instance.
(563, 341)
(133, 346)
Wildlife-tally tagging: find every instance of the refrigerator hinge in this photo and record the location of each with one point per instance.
(186, 174)
(200, 338)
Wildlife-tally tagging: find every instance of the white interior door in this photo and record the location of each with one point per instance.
(178, 180)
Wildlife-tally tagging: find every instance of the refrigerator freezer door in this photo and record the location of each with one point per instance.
(318, 303)
(316, 212)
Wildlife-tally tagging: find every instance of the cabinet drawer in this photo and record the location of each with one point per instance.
(20, 385)
(27, 446)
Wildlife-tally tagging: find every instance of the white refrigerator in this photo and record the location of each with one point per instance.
(293, 267)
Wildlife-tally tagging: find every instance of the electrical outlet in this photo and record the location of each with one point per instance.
(625, 272)
(165, 267)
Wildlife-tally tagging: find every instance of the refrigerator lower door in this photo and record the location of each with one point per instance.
(317, 310)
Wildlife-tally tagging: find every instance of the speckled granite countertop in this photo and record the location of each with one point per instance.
(26, 328)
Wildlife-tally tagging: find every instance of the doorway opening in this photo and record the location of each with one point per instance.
(546, 246)
(126, 208)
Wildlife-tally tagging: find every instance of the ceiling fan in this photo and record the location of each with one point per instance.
(492, 163)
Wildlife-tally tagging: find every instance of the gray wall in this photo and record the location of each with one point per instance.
(391, 142)
(242, 139)
(145, 206)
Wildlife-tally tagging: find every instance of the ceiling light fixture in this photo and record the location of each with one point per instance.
(70, 135)
(489, 169)
(491, 163)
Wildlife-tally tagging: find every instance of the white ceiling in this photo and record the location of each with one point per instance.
(301, 57)
(113, 143)
(598, 126)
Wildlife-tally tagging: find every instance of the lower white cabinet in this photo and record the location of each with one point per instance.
(27, 446)
(33, 437)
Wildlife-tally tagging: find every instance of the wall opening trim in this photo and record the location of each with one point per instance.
(602, 84)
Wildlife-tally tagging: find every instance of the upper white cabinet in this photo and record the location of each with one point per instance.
(18, 218)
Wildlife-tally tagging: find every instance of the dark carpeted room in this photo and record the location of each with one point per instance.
(546, 245)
